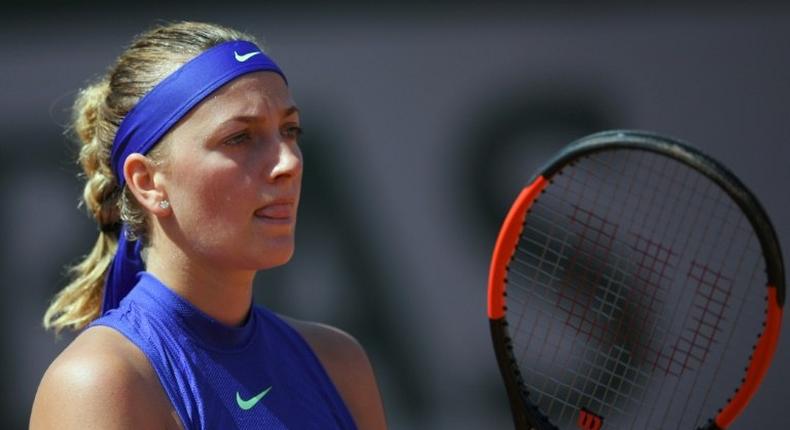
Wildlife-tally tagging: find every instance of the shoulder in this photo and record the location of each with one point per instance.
(349, 368)
(329, 343)
(101, 380)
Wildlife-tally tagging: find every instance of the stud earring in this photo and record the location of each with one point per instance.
(164, 204)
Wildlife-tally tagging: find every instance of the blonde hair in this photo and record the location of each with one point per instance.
(97, 113)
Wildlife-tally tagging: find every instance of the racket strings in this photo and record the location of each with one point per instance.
(595, 367)
(598, 318)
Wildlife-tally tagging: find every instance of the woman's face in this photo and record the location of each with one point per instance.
(233, 173)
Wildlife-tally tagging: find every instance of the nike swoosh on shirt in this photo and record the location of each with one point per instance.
(242, 58)
(248, 404)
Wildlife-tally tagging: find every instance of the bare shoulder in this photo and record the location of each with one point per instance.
(349, 367)
(330, 343)
(101, 380)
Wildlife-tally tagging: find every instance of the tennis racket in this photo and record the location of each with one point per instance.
(635, 284)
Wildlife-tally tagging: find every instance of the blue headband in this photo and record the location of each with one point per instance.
(159, 110)
(153, 116)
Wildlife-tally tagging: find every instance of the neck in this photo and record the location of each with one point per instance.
(224, 295)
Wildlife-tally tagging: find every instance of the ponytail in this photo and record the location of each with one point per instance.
(79, 302)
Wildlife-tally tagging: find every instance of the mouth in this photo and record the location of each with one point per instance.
(277, 212)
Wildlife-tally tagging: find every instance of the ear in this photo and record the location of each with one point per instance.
(142, 180)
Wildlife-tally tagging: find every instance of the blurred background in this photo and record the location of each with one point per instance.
(422, 120)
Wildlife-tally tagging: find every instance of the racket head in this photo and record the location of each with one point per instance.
(695, 290)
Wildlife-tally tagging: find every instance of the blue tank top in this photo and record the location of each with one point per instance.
(262, 375)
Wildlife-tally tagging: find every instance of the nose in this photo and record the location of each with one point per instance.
(288, 163)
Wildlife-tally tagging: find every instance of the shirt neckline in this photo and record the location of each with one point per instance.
(200, 326)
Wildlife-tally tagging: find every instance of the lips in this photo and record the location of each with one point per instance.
(281, 210)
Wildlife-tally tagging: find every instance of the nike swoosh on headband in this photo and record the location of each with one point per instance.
(245, 57)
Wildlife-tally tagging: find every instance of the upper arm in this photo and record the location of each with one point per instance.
(93, 386)
(350, 370)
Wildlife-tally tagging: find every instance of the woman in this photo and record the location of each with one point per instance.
(193, 172)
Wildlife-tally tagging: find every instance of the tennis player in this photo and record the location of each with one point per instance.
(189, 147)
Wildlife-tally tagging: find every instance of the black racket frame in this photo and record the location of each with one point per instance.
(526, 415)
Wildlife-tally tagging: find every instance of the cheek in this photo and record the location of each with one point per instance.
(207, 195)
(213, 206)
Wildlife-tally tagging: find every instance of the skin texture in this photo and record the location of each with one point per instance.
(232, 175)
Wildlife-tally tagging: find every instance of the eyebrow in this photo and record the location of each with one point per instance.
(250, 118)
(291, 110)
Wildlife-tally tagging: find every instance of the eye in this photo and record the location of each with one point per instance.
(293, 132)
(237, 139)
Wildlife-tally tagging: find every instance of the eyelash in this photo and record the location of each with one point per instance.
(237, 139)
(293, 132)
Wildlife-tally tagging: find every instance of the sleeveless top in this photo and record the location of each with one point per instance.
(262, 375)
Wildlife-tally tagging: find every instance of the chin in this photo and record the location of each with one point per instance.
(272, 258)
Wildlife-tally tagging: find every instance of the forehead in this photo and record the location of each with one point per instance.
(248, 94)
(259, 94)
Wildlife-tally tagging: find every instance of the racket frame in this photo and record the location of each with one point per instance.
(525, 414)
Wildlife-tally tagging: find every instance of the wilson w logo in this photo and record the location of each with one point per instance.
(589, 421)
